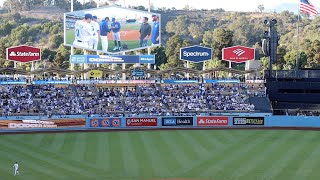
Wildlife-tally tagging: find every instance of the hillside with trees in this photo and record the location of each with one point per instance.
(38, 23)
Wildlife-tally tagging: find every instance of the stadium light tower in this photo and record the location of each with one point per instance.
(270, 43)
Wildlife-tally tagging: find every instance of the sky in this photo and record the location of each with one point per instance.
(229, 5)
(116, 12)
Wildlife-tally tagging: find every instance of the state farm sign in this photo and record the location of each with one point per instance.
(141, 121)
(212, 121)
(23, 54)
(238, 54)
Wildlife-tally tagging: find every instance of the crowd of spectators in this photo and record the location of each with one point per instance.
(56, 100)
(153, 99)
(14, 99)
(170, 99)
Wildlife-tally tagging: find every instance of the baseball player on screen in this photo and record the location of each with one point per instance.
(104, 30)
(93, 43)
(83, 32)
(155, 38)
(115, 28)
(145, 31)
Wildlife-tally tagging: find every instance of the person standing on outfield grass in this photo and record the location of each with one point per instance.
(16, 169)
(155, 38)
(93, 43)
(83, 31)
(104, 30)
(145, 31)
(115, 27)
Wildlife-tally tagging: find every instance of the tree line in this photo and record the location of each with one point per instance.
(211, 28)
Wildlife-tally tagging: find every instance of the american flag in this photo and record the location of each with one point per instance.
(307, 7)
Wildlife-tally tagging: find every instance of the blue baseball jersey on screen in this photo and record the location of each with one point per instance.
(155, 32)
(116, 25)
(104, 28)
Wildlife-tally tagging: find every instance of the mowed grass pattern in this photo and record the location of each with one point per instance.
(206, 154)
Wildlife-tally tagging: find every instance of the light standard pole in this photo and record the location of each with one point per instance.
(270, 43)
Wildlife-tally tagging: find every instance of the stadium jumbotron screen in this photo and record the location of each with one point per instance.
(111, 29)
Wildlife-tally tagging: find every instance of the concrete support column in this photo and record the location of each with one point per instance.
(85, 65)
(124, 74)
(204, 68)
(230, 66)
(71, 64)
(188, 75)
(98, 65)
(123, 68)
(32, 69)
(149, 52)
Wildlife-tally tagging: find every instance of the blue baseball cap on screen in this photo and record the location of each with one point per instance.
(88, 16)
(94, 17)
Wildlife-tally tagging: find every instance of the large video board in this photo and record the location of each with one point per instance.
(112, 29)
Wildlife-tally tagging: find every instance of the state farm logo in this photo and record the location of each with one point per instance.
(239, 52)
(23, 54)
(12, 54)
(201, 121)
(213, 121)
(209, 121)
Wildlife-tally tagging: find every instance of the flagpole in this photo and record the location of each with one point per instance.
(298, 54)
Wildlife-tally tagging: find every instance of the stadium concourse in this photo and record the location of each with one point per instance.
(151, 99)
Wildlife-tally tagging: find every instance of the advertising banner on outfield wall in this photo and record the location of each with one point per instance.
(212, 121)
(177, 121)
(105, 122)
(248, 121)
(152, 121)
(42, 124)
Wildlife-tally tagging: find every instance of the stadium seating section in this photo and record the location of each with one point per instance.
(153, 99)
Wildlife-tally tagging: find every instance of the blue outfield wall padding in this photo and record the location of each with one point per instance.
(230, 121)
(159, 122)
(123, 122)
(292, 121)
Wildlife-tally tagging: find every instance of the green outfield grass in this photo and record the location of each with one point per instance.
(214, 155)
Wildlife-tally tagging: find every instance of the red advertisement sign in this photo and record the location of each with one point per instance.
(238, 54)
(23, 54)
(142, 121)
(213, 121)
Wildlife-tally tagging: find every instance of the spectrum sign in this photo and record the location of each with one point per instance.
(195, 54)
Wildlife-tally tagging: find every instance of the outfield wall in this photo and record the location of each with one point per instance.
(69, 123)
(239, 121)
